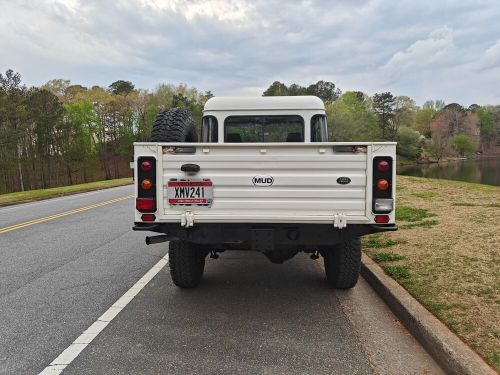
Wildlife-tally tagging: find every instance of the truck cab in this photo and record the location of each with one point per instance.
(264, 120)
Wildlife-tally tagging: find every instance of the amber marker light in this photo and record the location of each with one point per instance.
(146, 184)
(382, 184)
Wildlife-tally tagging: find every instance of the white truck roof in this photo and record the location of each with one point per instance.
(222, 103)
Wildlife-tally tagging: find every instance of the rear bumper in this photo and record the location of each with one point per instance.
(152, 227)
(384, 227)
(245, 236)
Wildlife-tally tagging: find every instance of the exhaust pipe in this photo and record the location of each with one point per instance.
(150, 240)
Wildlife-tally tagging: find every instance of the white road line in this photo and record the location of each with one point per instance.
(70, 196)
(72, 351)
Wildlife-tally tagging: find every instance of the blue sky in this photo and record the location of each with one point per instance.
(444, 49)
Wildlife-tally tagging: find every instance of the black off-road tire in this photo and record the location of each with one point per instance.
(187, 262)
(343, 263)
(174, 125)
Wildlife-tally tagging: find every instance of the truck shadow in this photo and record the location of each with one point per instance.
(252, 270)
(248, 317)
(245, 287)
(249, 314)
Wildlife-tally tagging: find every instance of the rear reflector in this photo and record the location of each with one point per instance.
(383, 205)
(145, 204)
(381, 219)
(148, 217)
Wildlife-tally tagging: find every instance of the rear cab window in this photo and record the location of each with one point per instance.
(209, 129)
(264, 129)
(319, 131)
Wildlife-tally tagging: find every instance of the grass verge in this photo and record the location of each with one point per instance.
(446, 254)
(34, 195)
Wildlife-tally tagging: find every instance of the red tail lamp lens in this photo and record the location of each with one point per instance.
(148, 217)
(382, 184)
(145, 204)
(146, 166)
(383, 166)
(146, 184)
(381, 219)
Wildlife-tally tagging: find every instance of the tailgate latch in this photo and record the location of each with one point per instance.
(340, 221)
(187, 219)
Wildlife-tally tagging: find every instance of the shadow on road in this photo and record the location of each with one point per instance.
(249, 316)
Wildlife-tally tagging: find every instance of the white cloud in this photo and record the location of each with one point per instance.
(491, 57)
(237, 11)
(438, 48)
(241, 46)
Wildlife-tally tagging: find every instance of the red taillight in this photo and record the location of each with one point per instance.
(382, 193)
(148, 217)
(146, 166)
(383, 166)
(381, 219)
(146, 184)
(145, 204)
(382, 184)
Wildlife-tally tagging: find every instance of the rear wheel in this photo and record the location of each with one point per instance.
(343, 263)
(174, 125)
(187, 262)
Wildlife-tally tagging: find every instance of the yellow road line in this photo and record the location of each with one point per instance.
(62, 214)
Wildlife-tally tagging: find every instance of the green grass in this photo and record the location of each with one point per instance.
(33, 195)
(449, 263)
(422, 224)
(494, 358)
(425, 195)
(387, 257)
(496, 205)
(469, 204)
(418, 180)
(398, 273)
(407, 213)
(377, 241)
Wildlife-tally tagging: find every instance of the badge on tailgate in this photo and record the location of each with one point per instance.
(189, 192)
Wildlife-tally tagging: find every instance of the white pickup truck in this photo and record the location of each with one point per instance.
(265, 178)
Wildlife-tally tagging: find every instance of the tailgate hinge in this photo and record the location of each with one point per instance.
(187, 219)
(339, 221)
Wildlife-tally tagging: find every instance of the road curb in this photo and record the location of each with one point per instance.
(451, 353)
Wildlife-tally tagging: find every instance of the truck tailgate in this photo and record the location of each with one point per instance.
(311, 182)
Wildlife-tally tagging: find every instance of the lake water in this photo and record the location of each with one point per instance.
(481, 171)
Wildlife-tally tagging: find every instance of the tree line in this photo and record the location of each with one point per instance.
(433, 131)
(63, 133)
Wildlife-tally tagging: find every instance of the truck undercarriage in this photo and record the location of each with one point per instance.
(270, 239)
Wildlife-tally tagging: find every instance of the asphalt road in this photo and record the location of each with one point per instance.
(64, 262)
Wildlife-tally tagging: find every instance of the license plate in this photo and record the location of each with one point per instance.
(190, 192)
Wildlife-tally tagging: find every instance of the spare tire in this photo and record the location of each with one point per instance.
(174, 125)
